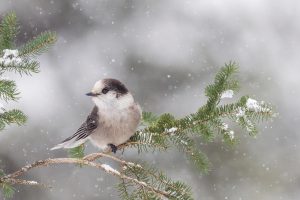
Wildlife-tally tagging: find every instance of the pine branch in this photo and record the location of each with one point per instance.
(151, 176)
(26, 67)
(38, 45)
(12, 116)
(221, 83)
(77, 152)
(166, 131)
(148, 118)
(88, 161)
(8, 31)
(8, 90)
(161, 133)
(8, 190)
(12, 61)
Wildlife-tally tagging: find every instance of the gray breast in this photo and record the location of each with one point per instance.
(116, 127)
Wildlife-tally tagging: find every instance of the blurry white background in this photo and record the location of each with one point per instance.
(166, 52)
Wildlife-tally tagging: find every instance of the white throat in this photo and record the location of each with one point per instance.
(110, 102)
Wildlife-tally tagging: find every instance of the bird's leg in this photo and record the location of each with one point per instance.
(113, 147)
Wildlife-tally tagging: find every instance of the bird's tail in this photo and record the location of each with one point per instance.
(69, 144)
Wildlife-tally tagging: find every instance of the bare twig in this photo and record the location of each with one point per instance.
(20, 181)
(87, 160)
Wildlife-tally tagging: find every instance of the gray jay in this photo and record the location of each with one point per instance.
(113, 120)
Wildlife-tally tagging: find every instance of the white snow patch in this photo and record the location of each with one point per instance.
(231, 135)
(32, 182)
(224, 126)
(133, 165)
(5, 78)
(150, 139)
(10, 52)
(172, 130)
(109, 169)
(10, 57)
(252, 104)
(2, 109)
(240, 112)
(227, 94)
(139, 166)
(249, 125)
(143, 183)
(183, 142)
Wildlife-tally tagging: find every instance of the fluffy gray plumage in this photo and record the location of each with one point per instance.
(113, 120)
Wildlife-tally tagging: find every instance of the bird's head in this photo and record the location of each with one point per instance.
(110, 93)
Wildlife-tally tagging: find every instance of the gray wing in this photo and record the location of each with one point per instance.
(82, 133)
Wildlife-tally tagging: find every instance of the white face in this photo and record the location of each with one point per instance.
(108, 99)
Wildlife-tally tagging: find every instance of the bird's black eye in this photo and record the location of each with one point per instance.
(104, 90)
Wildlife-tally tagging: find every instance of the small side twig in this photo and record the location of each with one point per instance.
(88, 161)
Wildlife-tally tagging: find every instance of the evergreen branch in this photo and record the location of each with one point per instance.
(123, 191)
(149, 175)
(8, 31)
(165, 131)
(159, 133)
(8, 190)
(142, 174)
(1, 173)
(26, 67)
(13, 180)
(8, 90)
(221, 83)
(138, 171)
(38, 45)
(10, 60)
(144, 140)
(12, 116)
(77, 152)
(148, 118)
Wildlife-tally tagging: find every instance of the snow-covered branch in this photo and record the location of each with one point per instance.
(88, 160)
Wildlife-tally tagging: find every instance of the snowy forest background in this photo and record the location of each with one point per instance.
(166, 52)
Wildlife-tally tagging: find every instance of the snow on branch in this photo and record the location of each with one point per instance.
(87, 161)
(19, 60)
(158, 133)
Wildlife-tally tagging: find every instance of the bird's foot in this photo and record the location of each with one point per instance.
(113, 147)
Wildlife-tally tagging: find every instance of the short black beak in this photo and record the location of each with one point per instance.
(91, 94)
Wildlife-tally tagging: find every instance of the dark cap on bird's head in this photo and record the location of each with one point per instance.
(105, 85)
(115, 85)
